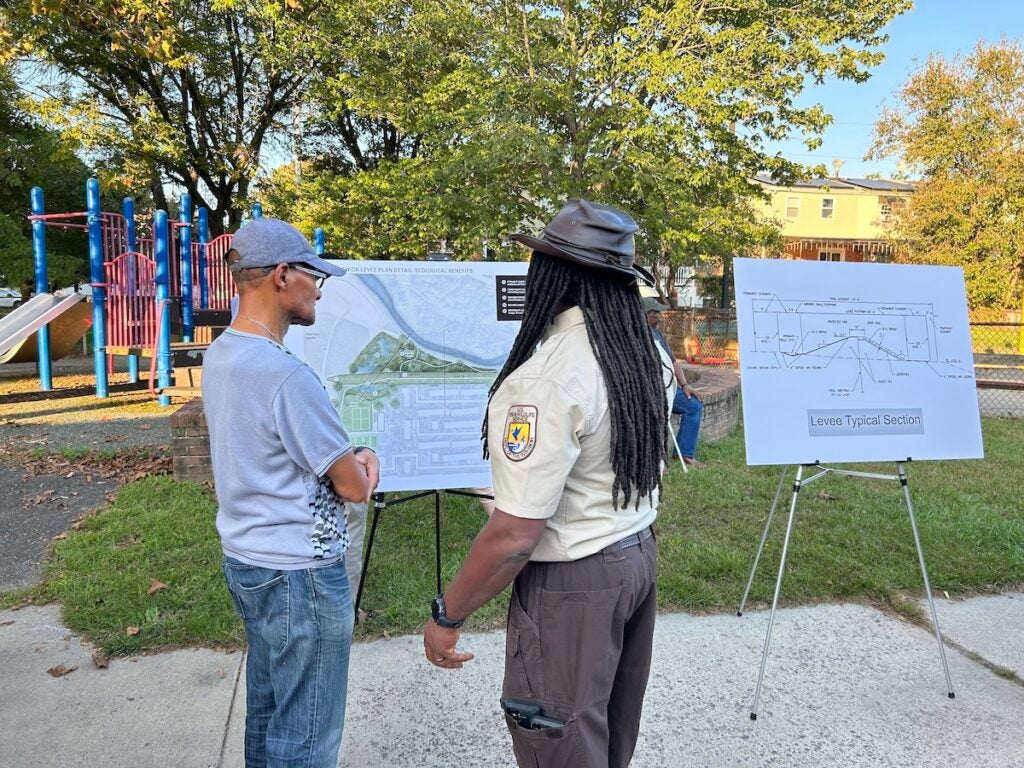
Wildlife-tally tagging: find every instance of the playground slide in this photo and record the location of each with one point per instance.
(17, 329)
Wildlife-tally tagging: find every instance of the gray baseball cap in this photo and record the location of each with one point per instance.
(651, 304)
(267, 242)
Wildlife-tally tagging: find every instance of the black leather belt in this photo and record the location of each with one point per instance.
(634, 539)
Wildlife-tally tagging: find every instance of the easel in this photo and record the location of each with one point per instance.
(679, 451)
(798, 484)
(379, 505)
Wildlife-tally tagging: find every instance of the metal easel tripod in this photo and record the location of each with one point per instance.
(798, 484)
(379, 505)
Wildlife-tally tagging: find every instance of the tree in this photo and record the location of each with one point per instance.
(169, 91)
(503, 109)
(959, 124)
(31, 155)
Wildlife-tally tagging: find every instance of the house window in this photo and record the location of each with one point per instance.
(830, 256)
(828, 207)
(886, 206)
(792, 207)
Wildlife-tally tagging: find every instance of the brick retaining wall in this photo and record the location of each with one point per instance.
(719, 389)
(190, 443)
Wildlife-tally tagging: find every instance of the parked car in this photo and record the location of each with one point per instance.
(9, 298)
(83, 288)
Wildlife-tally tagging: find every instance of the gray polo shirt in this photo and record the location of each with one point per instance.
(273, 435)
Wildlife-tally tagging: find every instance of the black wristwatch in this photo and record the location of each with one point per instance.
(440, 616)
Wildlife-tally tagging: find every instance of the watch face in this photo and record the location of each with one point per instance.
(435, 608)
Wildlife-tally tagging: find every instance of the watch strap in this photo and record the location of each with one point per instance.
(440, 615)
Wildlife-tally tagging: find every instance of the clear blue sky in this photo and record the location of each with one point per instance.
(945, 27)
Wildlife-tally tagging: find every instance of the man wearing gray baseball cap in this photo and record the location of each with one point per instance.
(282, 466)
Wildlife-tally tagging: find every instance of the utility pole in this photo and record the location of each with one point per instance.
(727, 260)
(297, 141)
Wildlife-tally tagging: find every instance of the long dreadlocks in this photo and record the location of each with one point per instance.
(622, 343)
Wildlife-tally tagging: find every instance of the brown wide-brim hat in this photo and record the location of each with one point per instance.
(591, 235)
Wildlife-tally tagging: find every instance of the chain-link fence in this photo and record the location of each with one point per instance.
(702, 336)
(708, 337)
(999, 368)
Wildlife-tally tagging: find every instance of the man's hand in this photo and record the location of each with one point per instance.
(439, 646)
(371, 465)
(691, 392)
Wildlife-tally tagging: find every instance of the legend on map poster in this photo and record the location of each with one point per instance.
(511, 298)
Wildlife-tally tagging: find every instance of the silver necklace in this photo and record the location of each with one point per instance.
(273, 336)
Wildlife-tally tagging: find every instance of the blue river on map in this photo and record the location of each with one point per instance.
(378, 289)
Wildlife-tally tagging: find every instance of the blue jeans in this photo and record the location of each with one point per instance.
(299, 628)
(692, 411)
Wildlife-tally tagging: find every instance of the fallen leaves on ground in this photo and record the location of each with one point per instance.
(60, 670)
(132, 631)
(125, 466)
(42, 498)
(155, 586)
(100, 660)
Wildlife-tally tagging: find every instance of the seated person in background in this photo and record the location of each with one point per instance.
(687, 403)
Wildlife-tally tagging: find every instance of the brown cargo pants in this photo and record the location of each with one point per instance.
(578, 642)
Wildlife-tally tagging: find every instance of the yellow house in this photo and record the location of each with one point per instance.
(836, 219)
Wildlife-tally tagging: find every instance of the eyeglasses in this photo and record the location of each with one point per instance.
(319, 278)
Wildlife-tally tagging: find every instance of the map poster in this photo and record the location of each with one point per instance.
(844, 362)
(408, 351)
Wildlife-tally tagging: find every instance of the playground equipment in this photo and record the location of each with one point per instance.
(142, 288)
(134, 281)
(61, 314)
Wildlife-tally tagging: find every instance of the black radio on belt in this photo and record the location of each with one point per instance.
(529, 714)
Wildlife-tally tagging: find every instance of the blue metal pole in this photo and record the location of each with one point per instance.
(204, 238)
(128, 209)
(257, 211)
(319, 241)
(163, 344)
(42, 279)
(185, 251)
(99, 291)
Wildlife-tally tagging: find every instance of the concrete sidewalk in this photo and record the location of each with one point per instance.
(845, 686)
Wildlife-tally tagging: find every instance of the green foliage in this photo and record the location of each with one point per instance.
(463, 121)
(32, 155)
(960, 124)
(452, 122)
(169, 90)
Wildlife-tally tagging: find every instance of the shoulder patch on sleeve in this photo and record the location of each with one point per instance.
(520, 432)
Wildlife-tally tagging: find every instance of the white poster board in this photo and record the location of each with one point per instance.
(408, 351)
(844, 362)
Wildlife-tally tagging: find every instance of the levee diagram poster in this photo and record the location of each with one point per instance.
(407, 351)
(843, 362)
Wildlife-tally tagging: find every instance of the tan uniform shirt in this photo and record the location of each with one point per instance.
(549, 437)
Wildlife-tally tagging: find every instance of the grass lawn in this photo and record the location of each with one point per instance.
(851, 541)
